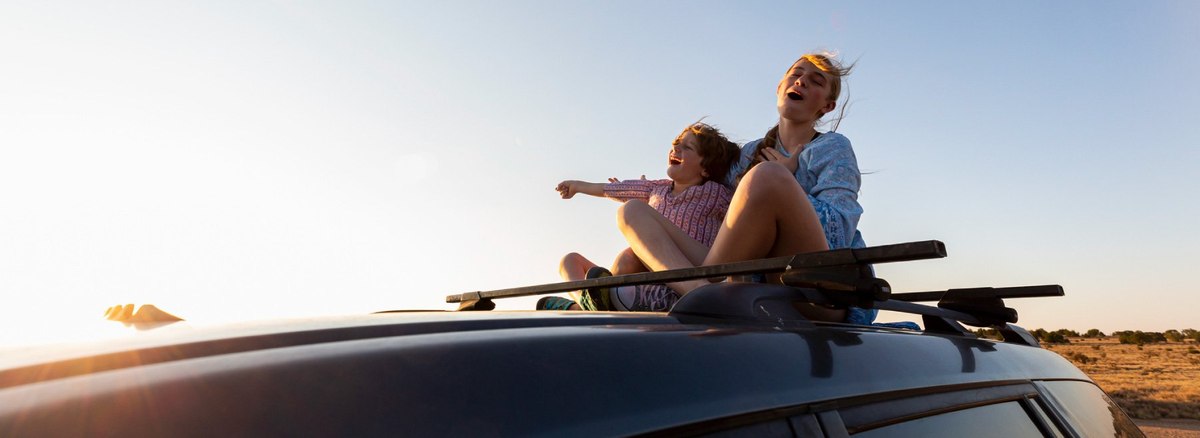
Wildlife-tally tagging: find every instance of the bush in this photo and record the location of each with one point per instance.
(1080, 358)
(1055, 338)
(1191, 334)
(1067, 333)
(1094, 333)
(1139, 337)
(988, 333)
(1173, 335)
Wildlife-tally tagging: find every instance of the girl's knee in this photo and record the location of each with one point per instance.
(768, 179)
(769, 172)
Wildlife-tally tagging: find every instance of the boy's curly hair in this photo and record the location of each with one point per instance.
(717, 153)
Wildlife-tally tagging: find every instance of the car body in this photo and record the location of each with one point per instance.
(730, 359)
(531, 373)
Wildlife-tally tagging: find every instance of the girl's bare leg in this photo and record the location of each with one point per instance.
(769, 216)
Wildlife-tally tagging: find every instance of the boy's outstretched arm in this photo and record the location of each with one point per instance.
(569, 188)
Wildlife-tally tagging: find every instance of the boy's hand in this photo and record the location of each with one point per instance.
(568, 188)
(571, 187)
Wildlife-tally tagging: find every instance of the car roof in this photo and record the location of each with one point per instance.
(512, 372)
(723, 350)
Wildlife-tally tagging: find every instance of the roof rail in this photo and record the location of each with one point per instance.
(839, 278)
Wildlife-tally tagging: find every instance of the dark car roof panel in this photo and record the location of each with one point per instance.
(517, 381)
(21, 367)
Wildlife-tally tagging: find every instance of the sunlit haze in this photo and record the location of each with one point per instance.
(233, 161)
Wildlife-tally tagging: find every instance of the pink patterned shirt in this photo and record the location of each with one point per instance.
(698, 211)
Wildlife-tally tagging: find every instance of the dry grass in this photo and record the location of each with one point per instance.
(1153, 381)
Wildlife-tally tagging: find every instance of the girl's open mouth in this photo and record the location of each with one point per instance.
(673, 161)
(794, 96)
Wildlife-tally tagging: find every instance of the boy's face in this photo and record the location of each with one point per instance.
(683, 161)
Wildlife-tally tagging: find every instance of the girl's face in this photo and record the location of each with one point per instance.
(803, 95)
(683, 161)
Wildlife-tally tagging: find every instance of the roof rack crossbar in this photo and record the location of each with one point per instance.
(823, 259)
(985, 304)
(839, 278)
(999, 292)
(920, 309)
(943, 320)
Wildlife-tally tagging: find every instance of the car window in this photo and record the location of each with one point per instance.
(1085, 407)
(1007, 419)
(1037, 407)
(773, 428)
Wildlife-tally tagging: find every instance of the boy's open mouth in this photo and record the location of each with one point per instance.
(674, 161)
(794, 96)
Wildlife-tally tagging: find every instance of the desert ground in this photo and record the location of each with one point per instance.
(1158, 384)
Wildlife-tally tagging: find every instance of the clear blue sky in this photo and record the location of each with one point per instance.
(247, 160)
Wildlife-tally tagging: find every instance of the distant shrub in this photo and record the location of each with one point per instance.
(1068, 333)
(1139, 337)
(1055, 338)
(1173, 335)
(1094, 333)
(988, 333)
(1191, 334)
(1080, 358)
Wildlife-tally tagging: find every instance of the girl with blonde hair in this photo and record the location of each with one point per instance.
(797, 191)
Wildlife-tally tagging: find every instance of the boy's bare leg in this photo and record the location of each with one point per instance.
(573, 267)
(628, 263)
(659, 243)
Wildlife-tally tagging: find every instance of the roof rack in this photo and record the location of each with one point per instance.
(838, 278)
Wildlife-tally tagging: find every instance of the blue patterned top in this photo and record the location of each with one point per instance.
(828, 172)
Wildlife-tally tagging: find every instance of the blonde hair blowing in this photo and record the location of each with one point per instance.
(827, 62)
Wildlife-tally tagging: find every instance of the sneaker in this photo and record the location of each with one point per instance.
(596, 298)
(554, 303)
